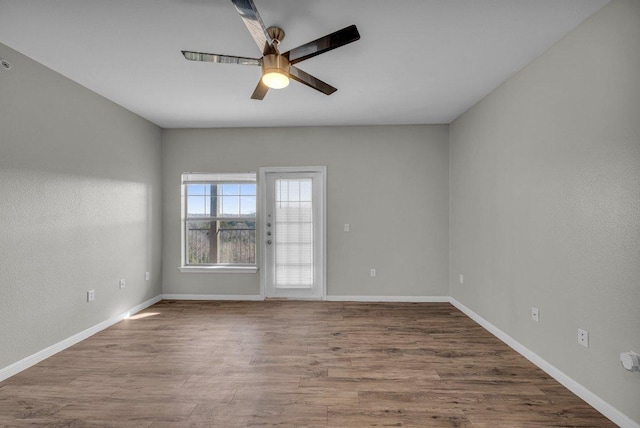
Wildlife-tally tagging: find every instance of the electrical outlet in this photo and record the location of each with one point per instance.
(583, 337)
(91, 295)
(147, 276)
(373, 272)
(535, 314)
(122, 283)
(346, 227)
(461, 279)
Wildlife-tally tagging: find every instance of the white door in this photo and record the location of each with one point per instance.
(293, 232)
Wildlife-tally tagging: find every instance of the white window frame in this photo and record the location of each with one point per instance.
(209, 178)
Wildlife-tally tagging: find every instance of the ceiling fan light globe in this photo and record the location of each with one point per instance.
(275, 79)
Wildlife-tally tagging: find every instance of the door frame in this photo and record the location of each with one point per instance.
(262, 180)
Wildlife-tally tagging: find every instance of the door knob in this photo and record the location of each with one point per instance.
(268, 241)
(269, 233)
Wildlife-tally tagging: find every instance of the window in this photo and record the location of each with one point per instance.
(219, 220)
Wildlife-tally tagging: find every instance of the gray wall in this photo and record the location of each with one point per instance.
(545, 204)
(390, 183)
(79, 208)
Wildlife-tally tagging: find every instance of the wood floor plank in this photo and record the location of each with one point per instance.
(291, 364)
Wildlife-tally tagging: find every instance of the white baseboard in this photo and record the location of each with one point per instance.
(34, 359)
(596, 402)
(408, 299)
(332, 298)
(212, 297)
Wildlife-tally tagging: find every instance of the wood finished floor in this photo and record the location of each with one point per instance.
(290, 364)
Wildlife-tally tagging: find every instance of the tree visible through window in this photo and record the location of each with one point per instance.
(220, 219)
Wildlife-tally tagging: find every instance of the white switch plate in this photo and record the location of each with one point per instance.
(373, 272)
(147, 276)
(346, 227)
(583, 337)
(122, 283)
(461, 279)
(91, 295)
(535, 314)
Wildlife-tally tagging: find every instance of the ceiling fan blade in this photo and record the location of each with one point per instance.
(260, 91)
(323, 44)
(220, 59)
(252, 20)
(306, 79)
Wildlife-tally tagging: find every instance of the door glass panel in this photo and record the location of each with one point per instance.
(293, 233)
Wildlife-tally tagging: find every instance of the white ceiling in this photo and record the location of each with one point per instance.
(417, 62)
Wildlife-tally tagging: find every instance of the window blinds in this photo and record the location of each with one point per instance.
(197, 177)
(293, 217)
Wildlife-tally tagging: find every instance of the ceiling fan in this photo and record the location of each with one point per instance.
(278, 68)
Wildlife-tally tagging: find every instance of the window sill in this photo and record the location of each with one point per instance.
(218, 269)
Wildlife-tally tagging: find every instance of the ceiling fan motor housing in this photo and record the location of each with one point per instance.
(275, 63)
